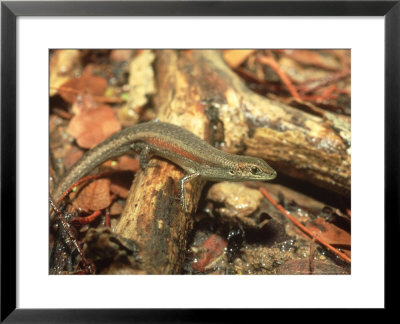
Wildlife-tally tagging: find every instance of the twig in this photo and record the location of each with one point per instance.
(324, 82)
(77, 183)
(74, 240)
(269, 60)
(307, 58)
(302, 227)
(62, 113)
(107, 220)
(87, 219)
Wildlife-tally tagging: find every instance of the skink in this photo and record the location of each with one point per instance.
(196, 157)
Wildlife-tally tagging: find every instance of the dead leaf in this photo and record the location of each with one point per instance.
(73, 155)
(92, 127)
(95, 196)
(116, 208)
(127, 163)
(87, 82)
(86, 102)
(209, 250)
(236, 57)
(329, 232)
(123, 163)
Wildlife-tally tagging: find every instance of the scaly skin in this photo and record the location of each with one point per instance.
(176, 144)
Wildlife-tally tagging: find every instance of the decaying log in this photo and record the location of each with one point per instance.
(197, 90)
(153, 217)
(294, 142)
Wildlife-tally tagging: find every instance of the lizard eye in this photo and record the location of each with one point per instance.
(231, 172)
(254, 170)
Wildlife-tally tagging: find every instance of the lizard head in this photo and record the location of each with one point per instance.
(252, 169)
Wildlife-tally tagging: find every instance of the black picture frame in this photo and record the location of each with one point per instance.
(11, 10)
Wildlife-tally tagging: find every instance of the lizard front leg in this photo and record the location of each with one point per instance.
(182, 190)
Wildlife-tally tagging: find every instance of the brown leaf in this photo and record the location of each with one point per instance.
(329, 232)
(73, 155)
(86, 102)
(236, 57)
(123, 163)
(209, 250)
(116, 208)
(95, 196)
(91, 127)
(87, 82)
(127, 163)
